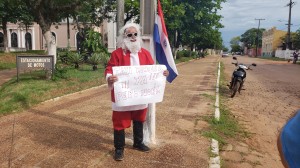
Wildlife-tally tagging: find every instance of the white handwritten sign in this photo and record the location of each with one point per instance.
(139, 84)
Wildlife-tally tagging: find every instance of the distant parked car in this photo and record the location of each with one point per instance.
(238, 53)
(225, 54)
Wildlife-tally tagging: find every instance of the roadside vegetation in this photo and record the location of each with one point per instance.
(279, 59)
(274, 58)
(73, 73)
(227, 127)
(186, 55)
(34, 88)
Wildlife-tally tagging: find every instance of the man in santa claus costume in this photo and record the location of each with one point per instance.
(129, 53)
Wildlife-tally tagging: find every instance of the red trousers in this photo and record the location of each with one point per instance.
(122, 119)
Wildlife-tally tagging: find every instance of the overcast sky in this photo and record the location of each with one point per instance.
(240, 15)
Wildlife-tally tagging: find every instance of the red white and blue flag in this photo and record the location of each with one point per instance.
(162, 46)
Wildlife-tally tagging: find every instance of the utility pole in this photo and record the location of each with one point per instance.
(290, 5)
(147, 15)
(257, 35)
(120, 15)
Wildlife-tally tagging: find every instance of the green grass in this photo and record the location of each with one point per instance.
(227, 127)
(34, 88)
(183, 59)
(7, 65)
(35, 52)
(211, 97)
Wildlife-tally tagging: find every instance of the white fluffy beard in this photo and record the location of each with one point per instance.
(133, 47)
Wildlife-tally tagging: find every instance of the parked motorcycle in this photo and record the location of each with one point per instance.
(238, 77)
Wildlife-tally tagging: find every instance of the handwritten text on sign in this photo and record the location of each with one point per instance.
(139, 84)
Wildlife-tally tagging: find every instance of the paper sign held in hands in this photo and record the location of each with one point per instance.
(139, 84)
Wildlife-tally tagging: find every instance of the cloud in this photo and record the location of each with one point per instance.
(240, 15)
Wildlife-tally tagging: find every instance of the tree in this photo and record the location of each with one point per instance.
(200, 23)
(235, 40)
(93, 43)
(86, 14)
(225, 49)
(132, 10)
(47, 12)
(173, 14)
(296, 39)
(9, 12)
(92, 13)
(25, 20)
(235, 44)
(194, 22)
(249, 37)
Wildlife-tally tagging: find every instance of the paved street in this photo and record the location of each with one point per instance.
(76, 130)
(270, 98)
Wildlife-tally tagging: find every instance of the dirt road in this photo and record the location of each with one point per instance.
(6, 75)
(76, 130)
(271, 96)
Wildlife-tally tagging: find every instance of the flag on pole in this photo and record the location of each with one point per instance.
(162, 46)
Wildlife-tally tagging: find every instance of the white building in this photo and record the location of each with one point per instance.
(18, 38)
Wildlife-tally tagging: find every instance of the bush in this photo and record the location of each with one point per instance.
(186, 53)
(183, 53)
(93, 42)
(60, 72)
(94, 60)
(104, 59)
(75, 58)
(194, 54)
(63, 56)
(97, 58)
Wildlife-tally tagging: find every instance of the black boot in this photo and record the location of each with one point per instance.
(138, 137)
(119, 143)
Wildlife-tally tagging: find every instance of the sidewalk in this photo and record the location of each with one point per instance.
(76, 130)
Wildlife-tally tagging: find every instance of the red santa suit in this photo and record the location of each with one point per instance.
(122, 115)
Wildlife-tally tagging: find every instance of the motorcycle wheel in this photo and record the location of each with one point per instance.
(231, 83)
(241, 86)
(235, 88)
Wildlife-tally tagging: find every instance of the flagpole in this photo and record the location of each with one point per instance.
(147, 15)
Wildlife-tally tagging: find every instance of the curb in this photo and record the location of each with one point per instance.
(57, 98)
(214, 162)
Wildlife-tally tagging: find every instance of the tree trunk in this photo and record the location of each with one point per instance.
(51, 44)
(5, 37)
(68, 32)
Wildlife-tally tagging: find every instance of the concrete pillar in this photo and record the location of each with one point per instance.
(23, 39)
(147, 15)
(33, 38)
(9, 31)
(19, 38)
